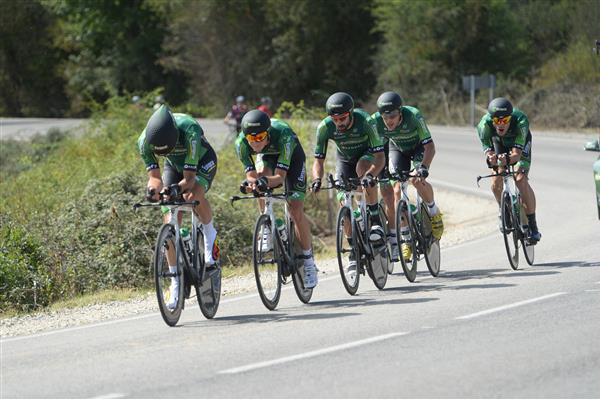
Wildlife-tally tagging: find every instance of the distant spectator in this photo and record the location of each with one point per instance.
(265, 106)
(158, 101)
(235, 115)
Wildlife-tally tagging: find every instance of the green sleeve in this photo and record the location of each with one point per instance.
(522, 131)
(423, 130)
(146, 153)
(244, 153)
(484, 131)
(375, 140)
(195, 149)
(287, 145)
(322, 139)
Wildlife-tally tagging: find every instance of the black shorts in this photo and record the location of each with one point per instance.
(401, 161)
(295, 179)
(205, 171)
(346, 167)
(524, 163)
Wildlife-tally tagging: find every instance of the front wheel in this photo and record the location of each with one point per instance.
(170, 302)
(409, 266)
(266, 259)
(208, 284)
(381, 259)
(510, 231)
(348, 255)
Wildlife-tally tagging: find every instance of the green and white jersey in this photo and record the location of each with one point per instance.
(358, 140)
(190, 148)
(515, 135)
(282, 142)
(411, 132)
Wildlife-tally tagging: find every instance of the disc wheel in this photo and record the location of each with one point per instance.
(409, 266)
(304, 294)
(266, 259)
(381, 260)
(163, 277)
(208, 284)
(350, 276)
(431, 246)
(510, 231)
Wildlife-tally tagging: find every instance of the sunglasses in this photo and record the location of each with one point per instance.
(340, 117)
(257, 138)
(501, 121)
(391, 114)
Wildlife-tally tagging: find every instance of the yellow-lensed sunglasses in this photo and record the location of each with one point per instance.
(501, 121)
(258, 137)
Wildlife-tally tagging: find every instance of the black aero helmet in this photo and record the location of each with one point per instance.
(255, 121)
(500, 107)
(388, 102)
(161, 131)
(339, 103)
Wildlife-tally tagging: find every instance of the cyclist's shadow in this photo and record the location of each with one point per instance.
(273, 316)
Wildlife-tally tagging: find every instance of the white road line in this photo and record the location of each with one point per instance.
(598, 282)
(463, 189)
(510, 306)
(594, 290)
(336, 348)
(110, 396)
(109, 322)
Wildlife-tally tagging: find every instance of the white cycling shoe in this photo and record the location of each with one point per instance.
(173, 294)
(266, 243)
(311, 278)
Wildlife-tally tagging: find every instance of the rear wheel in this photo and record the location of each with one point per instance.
(510, 231)
(528, 249)
(350, 275)
(267, 269)
(381, 260)
(409, 266)
(431, 246)
(304, 294)
(208, 290)
(163, 277)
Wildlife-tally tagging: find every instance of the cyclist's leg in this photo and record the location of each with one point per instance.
(205, 173)
(345, 168)
(296, 186)
(265, 166)
(387, 191)
(362, 166)
(527, 194)
(171, 176)
(425, 190)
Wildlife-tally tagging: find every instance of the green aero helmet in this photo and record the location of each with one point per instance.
(339, 103)
(161, 131)
(388, 102)
(500, 107)
(255, 121)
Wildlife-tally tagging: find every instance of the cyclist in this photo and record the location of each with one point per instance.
(409, 141)
(280, 159)
(511, 125)
(189, 162)
(359, 154)
(265, 106)
(235, 115)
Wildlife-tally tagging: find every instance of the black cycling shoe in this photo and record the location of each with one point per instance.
(376, 235)
(534, 237)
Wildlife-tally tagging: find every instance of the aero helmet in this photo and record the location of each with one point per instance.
(388, 102)
(339, 103)
(161, 131)
(255, 121)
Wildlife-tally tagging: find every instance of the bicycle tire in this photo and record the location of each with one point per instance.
(268, 278)
(350, 282)
(208, 282)
(304, 294)
(381, 259)
(431, 246)
(409, 272)
(509, 231)
(528, 250)
(166, 237)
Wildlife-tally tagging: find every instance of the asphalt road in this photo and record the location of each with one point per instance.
(478, 330)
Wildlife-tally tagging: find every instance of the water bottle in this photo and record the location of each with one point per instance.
(358, 218)
(282, 231)
(184, 232)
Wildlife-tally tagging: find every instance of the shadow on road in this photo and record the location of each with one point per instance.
(275, 316)
(580, 263)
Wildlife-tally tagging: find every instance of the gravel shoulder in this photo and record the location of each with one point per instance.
(466, 218)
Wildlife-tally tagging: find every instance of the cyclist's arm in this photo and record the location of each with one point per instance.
(195, 151)
(522, 131)
(243, 152)
(376, 147)
(428, 154)
(154, 182)
(318, 168)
